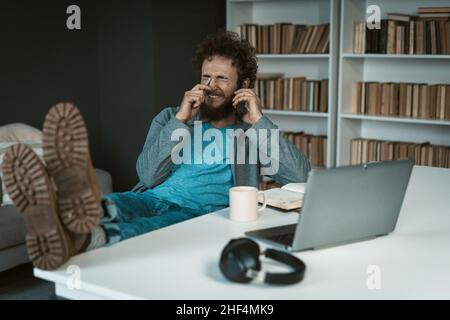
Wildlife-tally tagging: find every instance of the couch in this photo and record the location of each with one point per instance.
(13, 251)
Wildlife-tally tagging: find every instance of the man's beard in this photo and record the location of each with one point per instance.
(210, 113)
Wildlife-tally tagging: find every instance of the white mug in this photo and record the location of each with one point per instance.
(244, 203)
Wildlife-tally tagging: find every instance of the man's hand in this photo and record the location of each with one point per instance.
(254, 104)
(191, 102)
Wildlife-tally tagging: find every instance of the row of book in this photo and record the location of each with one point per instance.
(292, 94)
(312, 146)
(285, 38)
(416, 100)
(427, 33)
(425, 154)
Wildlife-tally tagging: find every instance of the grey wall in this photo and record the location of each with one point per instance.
(126, 85)
(145, 51)
(129, 61)
(42, 63)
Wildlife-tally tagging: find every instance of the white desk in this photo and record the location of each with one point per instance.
(181, 261)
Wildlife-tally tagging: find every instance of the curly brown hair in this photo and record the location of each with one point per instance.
(229, 45)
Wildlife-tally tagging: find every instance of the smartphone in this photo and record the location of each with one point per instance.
(241, 107)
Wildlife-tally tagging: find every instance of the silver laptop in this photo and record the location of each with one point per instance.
(345, 204)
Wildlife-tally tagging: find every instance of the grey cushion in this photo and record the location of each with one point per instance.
(13, 257)
(104, 180)
(12, 227)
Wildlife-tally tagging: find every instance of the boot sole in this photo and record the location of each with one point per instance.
(66, 152)
(29, 186)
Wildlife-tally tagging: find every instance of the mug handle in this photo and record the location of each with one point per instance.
(264, 202)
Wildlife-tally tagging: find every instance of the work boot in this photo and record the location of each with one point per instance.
(66, 153)
(27, 182)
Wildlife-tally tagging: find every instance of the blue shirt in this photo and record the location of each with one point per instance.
(202, 186)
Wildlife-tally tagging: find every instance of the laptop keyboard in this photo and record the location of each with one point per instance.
(283, 234)
(285, 239)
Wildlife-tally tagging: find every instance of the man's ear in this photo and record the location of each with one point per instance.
(246, 83)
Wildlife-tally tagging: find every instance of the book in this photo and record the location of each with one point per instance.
(288, 197)
(425, 154)
(426, 33)
(416, 100)
(400, 17)
(286, 37)
(292, 93)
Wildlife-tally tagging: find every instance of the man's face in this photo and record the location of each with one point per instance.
(220, 74)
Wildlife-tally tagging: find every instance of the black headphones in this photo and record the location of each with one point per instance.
(239, 262)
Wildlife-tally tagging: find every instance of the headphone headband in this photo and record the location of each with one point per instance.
(296, 275)
(240, 262)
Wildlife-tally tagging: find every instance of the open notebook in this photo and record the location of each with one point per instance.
(288, 197)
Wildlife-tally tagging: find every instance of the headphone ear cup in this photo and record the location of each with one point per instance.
(237, 257)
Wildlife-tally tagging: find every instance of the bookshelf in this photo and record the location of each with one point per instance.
(432, 69)
(313, 66)
(343, 68)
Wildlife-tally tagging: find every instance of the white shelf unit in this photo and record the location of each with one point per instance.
(296, 113)
(294, 56)
(397, 56)
(313, 66)
(385, 68)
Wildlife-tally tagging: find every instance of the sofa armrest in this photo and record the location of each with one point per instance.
(104, 180)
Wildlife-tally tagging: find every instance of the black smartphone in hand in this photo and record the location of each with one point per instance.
(241, 108)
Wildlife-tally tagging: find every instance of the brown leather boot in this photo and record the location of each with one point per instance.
(27, 182)
(66, 152)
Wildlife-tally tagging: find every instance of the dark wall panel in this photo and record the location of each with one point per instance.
(129, 61)
(145, 51)
(42, 63)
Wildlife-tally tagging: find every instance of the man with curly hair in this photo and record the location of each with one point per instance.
(69, 216)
